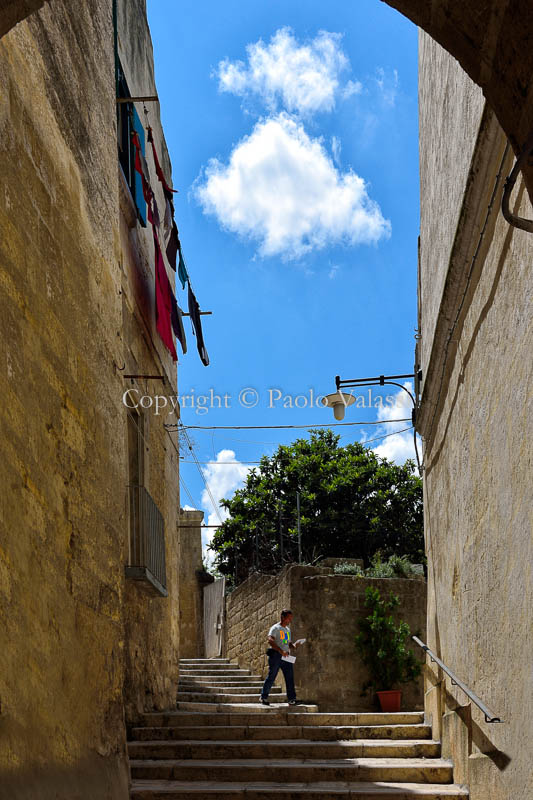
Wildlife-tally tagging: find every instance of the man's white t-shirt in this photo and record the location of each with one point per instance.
(281, 635)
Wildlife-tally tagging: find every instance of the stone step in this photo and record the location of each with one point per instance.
(412, 770)
(209, 673)
(252, 689)
(360, 718)
(228, 697)
(270, 716)
(201, 790)
(204, 661)
(251, 708)
(213, 731)
(209, 665)
(227, 681)
(285, 749)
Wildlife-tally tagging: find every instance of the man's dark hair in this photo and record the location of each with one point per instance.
(285, 613)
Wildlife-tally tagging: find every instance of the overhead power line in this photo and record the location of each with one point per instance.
(277, 427)
(200, 470)
(233, 463)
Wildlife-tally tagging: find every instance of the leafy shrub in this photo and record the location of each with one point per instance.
(394, 567)
(345, 568)
(382, 644)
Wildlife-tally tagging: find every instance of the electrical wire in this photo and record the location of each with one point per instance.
(200, 470)
(187, 492)
(233, 463)
(181, 426)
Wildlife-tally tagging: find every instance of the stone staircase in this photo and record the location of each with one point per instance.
(221, 744)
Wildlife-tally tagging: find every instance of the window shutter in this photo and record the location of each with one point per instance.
(140, 202)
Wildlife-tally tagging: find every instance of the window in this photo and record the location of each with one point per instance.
(146, 560)
(128, 122)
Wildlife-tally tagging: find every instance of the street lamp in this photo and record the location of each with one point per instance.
(339, 401)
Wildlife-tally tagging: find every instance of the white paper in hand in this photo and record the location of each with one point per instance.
(300, 641)
(290, 659)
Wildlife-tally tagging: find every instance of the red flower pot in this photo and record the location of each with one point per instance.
(390, 700)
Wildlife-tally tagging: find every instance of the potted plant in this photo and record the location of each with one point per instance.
(382, 645)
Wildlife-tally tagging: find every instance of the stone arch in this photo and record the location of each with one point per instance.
(14, 11)
(492, 41)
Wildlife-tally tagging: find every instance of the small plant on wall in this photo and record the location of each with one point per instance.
(383, 649)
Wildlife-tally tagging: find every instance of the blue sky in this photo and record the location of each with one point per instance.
(292, 130)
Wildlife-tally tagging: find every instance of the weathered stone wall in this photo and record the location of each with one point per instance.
(191, 609)
(251, 610)
(327, 609)
(449, 155)
(151, 624)
(476, 418)
(79, 645)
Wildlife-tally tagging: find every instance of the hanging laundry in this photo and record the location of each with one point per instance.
(194, 312)
(177, 324)
(168, 219)
(166, 188)
(169, 224)
(163, 291)
(173, 246)
(163, 302)
(183, 275)
(141, 167)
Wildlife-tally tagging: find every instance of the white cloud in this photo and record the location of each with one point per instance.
(281, 188)
(223, 476)
(398, 447)
(336, 148)
(332, 274)
(388, 85)
(304, 77)
(351, 88)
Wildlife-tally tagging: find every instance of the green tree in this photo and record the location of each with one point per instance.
(352, 504)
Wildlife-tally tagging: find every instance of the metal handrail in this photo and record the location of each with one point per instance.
(489, 716)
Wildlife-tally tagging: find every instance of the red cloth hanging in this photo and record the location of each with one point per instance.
(163, 290)
(163, 302)
(168, 191)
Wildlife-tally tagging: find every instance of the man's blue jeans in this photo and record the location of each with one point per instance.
(274, 663)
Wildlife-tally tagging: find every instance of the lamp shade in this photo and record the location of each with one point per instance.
(339, 401)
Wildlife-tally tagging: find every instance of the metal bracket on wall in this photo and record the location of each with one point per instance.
(152, 98)
(517, 222)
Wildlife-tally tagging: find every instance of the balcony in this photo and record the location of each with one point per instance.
(146, 562)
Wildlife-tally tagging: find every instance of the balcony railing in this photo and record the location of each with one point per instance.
(146, 561)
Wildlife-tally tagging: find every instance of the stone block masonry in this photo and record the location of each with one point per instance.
(82, 649)
(326, 609)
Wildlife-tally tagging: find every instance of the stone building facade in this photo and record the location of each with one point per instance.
(327, 609)
(475, 319)
(83, 648)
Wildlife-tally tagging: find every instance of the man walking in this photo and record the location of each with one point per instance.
(279, 641)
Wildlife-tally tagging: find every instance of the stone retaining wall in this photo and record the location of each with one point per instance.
(326, 609)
